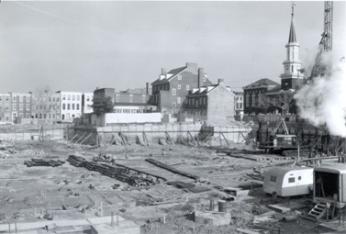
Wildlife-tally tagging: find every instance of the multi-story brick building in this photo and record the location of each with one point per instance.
(46, 106)
(255, 99)
(21, 106)
(212, 103)
(5, 107)
(171, 88)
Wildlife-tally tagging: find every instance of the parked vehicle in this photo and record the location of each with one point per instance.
(288, 181)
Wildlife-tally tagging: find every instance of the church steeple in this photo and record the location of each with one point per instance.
(292, 37)
(292, 78)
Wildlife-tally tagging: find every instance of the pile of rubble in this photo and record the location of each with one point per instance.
(122, 173)
(43, 162)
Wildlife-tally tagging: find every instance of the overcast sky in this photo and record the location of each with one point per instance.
(82, 45)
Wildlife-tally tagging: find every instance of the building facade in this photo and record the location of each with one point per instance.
(46, 106)
(255, 95)
(21, 106)
(238, 104)
(213, 104)
(169, 91)
(87, 102)
(70, 105)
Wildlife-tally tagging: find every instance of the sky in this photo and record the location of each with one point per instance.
(78, 46)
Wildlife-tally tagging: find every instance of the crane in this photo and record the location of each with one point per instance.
(326, 43)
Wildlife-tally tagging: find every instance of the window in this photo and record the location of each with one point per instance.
(179, 100)
(68, 106)
(73, 97)
(299, 178)
(77, 108)
(63, 106)
(179, 86)
(179, 77)
(72, 106)
(174, 92)
(291, 180)
(273, 178)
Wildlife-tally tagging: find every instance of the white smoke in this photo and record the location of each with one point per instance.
(323, 101)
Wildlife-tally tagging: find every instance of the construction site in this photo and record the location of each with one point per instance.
(272, 173)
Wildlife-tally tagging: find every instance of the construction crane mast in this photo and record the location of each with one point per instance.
(326, 43)
(327, 36)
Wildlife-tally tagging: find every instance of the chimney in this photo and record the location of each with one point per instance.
(163, 71)
(220, 82)
(192, 67)
(200, 77)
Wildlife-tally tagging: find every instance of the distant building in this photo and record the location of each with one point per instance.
(255, 99)
(212, 103)
(46, 106)
(21, 104)
(268, 96)
(5, 107)
(87, 103)
(238, 104)
(70, 106)
(103, 100)
(171, 88)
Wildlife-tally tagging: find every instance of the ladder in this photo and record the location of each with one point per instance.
(318, 211)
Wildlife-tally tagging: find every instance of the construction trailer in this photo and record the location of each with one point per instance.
(330, 184)
(288, 181)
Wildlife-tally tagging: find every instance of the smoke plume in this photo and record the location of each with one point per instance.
(323, 100)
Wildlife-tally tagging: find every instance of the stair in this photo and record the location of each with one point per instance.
(317, 212)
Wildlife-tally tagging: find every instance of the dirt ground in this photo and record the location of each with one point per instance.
(36, 193)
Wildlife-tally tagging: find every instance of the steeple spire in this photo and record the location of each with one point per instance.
(292, 37)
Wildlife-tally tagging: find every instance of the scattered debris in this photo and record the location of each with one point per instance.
(170, 168)
(43, 162)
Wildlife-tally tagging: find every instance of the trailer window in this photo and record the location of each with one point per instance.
(291, 180)
(299, 177)
(273, 178)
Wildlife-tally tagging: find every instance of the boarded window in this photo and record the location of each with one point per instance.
(291, 180)
(273, 178)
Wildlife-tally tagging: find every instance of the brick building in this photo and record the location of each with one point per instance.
(255, 99)
(212, 103)
(46, 106)
(21, 106)
(268, 96)
(171, 88)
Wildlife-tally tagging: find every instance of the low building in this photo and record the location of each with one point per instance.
(213, 104)
(171, 88)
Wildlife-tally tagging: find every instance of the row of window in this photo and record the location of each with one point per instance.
(290, 179)
(196, 102)
(71, 97)
(69, 106)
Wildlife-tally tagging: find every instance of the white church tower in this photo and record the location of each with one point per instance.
(292, 78)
